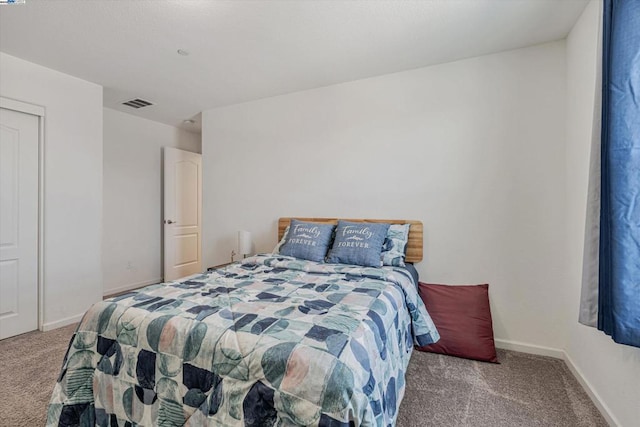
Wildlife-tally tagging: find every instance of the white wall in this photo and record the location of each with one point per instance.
(73, 183)
(612, 370)
(132, 207)
(473, 148)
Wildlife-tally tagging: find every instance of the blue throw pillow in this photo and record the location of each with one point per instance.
(393, 249)
(307, 240)
(358, 243)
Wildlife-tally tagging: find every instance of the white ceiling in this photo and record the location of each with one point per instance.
(246, 50)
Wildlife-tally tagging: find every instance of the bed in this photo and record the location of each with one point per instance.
(270, 340)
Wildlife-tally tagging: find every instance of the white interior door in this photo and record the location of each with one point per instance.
(18, 222)
(182, 213)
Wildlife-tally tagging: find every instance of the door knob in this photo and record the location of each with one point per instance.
(169, 221)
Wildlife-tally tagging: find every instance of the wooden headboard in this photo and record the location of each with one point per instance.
(414, 245)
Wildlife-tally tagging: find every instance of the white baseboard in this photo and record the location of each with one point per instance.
(561, 354)
(130, 286)
(530, 348)
(595, 397)
(62, 322)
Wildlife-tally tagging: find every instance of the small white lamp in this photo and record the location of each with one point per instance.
(244, 243)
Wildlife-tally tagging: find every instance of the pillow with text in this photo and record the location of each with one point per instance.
(358, 243)
(307, 240)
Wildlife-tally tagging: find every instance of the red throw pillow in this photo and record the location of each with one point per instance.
(463, 318)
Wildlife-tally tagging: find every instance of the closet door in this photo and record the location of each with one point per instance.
(18, 222)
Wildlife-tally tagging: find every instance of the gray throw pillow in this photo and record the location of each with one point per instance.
(276, 250)
(358, 243)
(307, 240)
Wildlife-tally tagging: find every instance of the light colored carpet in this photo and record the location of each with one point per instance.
(29, 366)
(524, 390)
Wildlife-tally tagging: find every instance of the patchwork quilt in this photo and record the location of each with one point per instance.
(271, 341)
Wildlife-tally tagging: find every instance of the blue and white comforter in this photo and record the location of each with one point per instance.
(270, 341)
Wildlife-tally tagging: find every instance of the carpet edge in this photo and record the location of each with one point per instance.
(575, 371)
(591, 392)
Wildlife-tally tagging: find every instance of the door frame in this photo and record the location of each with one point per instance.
(39, 111)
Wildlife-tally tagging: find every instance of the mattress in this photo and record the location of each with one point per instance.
(272, 340)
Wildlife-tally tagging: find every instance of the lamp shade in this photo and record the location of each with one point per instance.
(244, 242)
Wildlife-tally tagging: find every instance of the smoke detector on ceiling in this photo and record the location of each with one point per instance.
(137, 103)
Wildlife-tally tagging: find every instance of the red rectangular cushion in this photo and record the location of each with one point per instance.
(463, 318)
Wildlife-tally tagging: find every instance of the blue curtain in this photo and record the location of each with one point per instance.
(619, 272)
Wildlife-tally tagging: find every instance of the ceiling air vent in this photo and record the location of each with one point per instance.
(137, 103)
